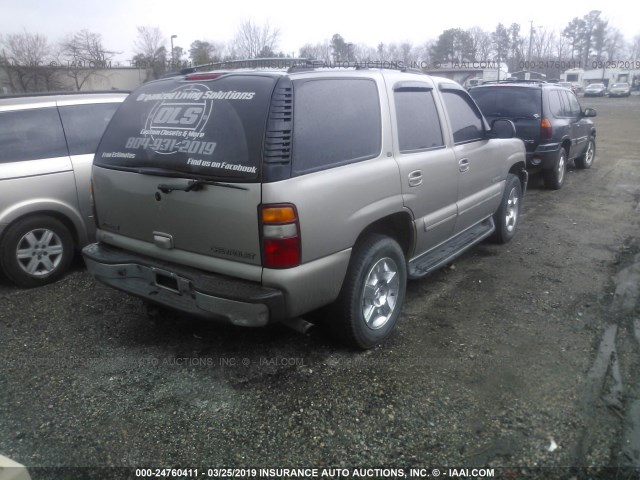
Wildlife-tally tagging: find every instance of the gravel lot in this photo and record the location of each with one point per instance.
(508, 352)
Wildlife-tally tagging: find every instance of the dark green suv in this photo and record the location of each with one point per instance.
(548, 118)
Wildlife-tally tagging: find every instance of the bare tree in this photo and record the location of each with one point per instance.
(364, 53)
(542, 47)
(480, 43)
(28, 60)
(252, 40)
(614, 44)
(150, 50)
(82, 55)
(319, 51)
(561, 47)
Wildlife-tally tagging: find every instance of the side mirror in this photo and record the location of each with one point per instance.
(589, 112)
(503, 128)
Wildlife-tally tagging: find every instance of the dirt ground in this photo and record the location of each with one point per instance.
(524, 358)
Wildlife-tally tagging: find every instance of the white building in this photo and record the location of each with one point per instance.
(603, 75)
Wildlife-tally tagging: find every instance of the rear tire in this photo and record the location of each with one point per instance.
(554, 178)
(586, 160)
(36, 251)
(372, 294)
(508, 215)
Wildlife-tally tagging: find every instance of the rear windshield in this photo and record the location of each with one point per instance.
(212, 129)
(509, 102)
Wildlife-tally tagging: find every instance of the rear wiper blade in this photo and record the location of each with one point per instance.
(159, 172)
(196, 185)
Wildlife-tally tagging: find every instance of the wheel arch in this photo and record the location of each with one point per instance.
(519, 169)
(398, 226)
(79, 236)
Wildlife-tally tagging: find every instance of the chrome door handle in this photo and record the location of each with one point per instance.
(464, 165)
(415, 178)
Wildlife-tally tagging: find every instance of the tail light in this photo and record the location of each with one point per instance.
(280, 236)
(546, 132)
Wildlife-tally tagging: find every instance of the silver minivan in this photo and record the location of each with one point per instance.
(47, 143)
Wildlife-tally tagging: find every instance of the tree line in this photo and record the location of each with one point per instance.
(33, 63)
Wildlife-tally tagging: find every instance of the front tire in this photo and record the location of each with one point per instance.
(508, 215)
(586, 160)
(372, 294)
(36, 251)
(554, 177)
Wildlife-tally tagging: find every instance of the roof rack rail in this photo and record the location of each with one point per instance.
(515, 80)
(293, 64)
(247, 63)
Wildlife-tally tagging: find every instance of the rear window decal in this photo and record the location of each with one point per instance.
(212, 128)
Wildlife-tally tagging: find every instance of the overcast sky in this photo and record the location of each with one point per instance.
(299, 22)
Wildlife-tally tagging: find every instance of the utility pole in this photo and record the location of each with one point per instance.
(530, 42)
(173, 58)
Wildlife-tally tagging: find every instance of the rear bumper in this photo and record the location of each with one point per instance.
(186, 289)
(544, 156)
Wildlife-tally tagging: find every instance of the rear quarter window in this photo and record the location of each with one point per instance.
(31, 135)
(85, 124)
(212, 129)
(555, 104)
(336, 122)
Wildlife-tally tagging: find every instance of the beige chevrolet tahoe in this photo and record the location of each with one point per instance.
(256, 196)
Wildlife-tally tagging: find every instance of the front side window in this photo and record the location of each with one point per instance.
(335, 122)
(465, 120)
(418, 122)
(31, 135)
(574, 106)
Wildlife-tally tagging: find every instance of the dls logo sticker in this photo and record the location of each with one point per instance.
(183, 116)
(169, 116)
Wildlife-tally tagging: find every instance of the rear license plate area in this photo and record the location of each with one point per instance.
(167, 281)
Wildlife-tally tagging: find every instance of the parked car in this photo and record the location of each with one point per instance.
(47, 144)
(595, 90)
(261, 195)
(550, 121)
(574, 87)
(472, 82)
(620, 90)
(577, 87)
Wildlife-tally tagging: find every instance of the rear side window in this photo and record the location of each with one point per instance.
(465, 120)
(555, 104)
(212, 129)
(336, 122)
(31, 135)
(85, 124)
(418, 122)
